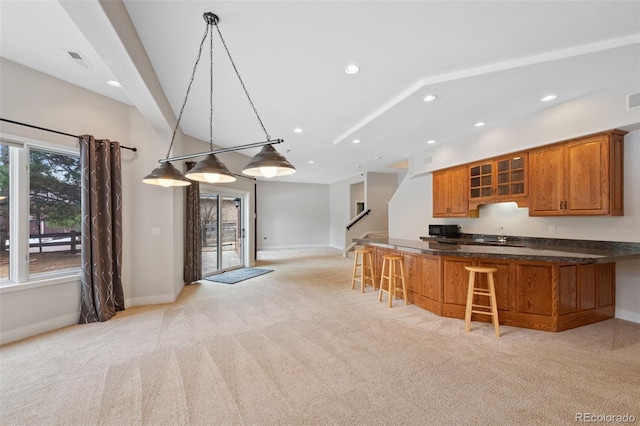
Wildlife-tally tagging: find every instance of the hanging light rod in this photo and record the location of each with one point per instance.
(221, 150)
(267, 163)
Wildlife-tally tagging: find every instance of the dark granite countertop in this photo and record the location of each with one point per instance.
(517, 248)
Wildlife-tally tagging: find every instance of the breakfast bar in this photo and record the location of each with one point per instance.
(544, 284)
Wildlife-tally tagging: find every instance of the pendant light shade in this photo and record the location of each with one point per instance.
(166, 175)
(211, 170)
(269, 163)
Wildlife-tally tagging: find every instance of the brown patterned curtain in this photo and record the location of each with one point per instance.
(101, 290)
(192, 236)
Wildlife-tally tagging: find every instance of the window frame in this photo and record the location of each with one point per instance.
(19, 213)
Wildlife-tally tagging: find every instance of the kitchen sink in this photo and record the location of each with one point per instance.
(491, 242)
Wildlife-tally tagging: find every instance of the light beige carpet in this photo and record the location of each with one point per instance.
(298, 346)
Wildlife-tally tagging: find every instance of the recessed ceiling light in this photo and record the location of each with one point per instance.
(356, 141)
(352, 69)
(297, 130)
(358, 166)
(377, 157)
(114, 83)
(480, 124)
(548, 98)
(430, 98)
(311, 161)
(431, 142)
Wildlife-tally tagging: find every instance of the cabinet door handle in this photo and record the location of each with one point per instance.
(560, 205)
(565, 204)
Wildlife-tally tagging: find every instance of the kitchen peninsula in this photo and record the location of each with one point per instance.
(545, 284)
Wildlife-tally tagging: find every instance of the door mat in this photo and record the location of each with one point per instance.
(238, 275)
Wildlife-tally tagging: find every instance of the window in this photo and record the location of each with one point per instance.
(40, 214)
(54, 212)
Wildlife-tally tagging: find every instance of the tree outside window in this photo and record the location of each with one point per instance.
(55, 215)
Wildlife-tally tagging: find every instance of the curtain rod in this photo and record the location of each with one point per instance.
(55, 131)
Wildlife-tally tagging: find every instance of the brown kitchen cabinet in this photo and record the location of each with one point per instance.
(499, 180)
(539, 295)
(531, 294)
(578, 177)
(450, 193)
(456, 279)
(424, 286)
(377, 260)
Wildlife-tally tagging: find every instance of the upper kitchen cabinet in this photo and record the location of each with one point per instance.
(499, 180)
(450, 196)
(578, 177)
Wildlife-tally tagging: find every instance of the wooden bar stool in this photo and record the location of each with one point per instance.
(389, 264)
(490, 309)
(367, 272)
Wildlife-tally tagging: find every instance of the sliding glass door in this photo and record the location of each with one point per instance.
(222, 232)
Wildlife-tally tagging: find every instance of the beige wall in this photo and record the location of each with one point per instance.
(292, 215)
(152, 265)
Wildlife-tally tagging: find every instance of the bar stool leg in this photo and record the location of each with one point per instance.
(372, 271)
(494, 305)
(404, 288)
(392, 282)
(467, 311)
(355, 268)
(384, 264)
(362, 276)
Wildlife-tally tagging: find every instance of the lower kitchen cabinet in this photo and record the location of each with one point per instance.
(456, 282)
(539, 295)
(422, 275)
(377, 260)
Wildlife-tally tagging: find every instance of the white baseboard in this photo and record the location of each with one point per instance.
(38, 328)
(623, 314)
(293, 246)
(150, 300)
(71, 319)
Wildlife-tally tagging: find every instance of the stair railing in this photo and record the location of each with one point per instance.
(357, 218)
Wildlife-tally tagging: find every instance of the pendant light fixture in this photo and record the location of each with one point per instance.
(267, 163)
(166, 175)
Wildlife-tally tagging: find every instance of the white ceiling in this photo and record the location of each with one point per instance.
(486, 61)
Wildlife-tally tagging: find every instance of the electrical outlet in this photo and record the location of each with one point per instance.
(552, 229)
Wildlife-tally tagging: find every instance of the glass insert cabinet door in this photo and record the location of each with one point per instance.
(221, 232)
(511, 176)
(498, 179)
(481, 185)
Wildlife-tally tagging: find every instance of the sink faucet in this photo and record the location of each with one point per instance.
(502, 238)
